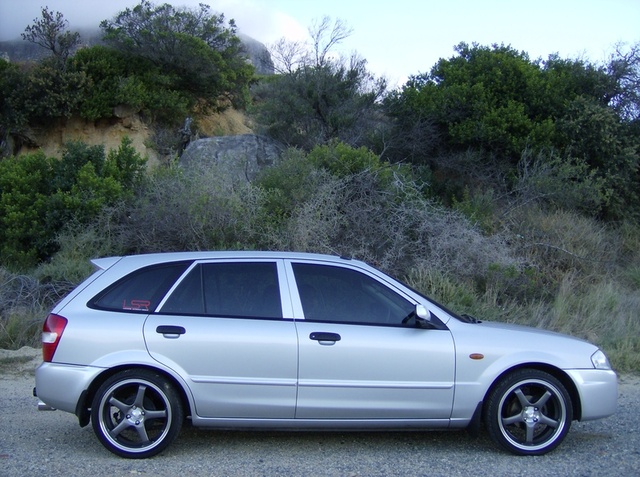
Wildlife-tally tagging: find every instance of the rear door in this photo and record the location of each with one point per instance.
(357, 359)
(221, 327)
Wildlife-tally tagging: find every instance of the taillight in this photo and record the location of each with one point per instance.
(51, 333)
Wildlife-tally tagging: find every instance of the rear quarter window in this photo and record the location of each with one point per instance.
(141, 290)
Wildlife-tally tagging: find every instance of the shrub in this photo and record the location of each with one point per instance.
(194, 209)
(25, 190)
(24, 302)
(377, 214)
(559, 242)
(41, 195)
(116, 78)
(566, 183)
(47, 92)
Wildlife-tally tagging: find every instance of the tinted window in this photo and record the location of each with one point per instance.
(228, 289)
(340, 294)
(141, 290)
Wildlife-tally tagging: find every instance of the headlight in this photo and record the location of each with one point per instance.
(600, 361)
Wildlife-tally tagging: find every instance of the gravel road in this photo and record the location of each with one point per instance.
(52, 443)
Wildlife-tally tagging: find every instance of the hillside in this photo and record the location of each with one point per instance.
(52, 138)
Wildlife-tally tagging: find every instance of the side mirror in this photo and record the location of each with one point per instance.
(422, 312)
(423, 317)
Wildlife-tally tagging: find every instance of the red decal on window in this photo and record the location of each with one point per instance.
(141, 305)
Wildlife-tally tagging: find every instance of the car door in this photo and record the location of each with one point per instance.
(357, 360)
(221, 328)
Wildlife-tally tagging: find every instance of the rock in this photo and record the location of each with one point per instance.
(241, 156)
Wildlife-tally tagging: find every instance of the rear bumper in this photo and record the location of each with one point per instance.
(60, 386)
(598, 390)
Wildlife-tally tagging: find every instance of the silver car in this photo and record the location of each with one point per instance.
(268, 340)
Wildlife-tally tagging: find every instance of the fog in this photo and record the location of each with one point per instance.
(259, 22)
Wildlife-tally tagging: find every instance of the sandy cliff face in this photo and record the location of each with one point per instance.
(52, 138)
(109, 133)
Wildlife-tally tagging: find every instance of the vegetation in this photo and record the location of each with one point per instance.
(502, 186)
(40, 195)
(158, 60)
(50, 32)
(201, 56)
(317, 99)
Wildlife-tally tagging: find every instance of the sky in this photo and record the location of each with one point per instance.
(398, 38)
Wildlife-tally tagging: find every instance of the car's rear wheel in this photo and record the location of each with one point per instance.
(529, 412)
(136, 413)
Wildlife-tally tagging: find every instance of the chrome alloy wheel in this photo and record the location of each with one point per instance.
(529, 412)
(136, 416)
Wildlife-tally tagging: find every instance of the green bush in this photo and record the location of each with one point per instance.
(115, 79)
(41, 195)
(25, 189)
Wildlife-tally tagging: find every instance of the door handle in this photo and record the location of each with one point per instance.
(170, 331)
(325, 338)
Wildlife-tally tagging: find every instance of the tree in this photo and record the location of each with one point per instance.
(117, 78)
(204, 55)
(325, 37)
(318, 97)
(480, 99)
(49, 90)
(624, 69)
(497, 103)
(50, 32)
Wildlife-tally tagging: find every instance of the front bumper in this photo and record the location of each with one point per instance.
(598, 390)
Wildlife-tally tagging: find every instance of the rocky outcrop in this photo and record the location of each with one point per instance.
(241, 157)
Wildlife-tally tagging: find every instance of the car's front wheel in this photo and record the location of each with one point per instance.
(136, 413)
(529, 412)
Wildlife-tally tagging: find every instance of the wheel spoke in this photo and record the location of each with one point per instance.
(140, 396)
(122, 407)
(155, 414)
(531, 426)
(115, 432)
(142, 433)
(507, 421)
(524, 402)
(546, 420)
(543, 399)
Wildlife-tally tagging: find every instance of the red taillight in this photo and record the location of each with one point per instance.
(51, 334)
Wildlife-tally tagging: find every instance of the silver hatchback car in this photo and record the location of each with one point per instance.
(268, 340)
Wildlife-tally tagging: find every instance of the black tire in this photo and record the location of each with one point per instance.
(136, 414)
(529, 412)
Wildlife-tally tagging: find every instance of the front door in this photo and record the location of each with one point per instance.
(357, 359)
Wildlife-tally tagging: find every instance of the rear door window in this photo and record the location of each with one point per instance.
(228, 289)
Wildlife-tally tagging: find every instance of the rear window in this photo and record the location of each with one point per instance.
(141, 290)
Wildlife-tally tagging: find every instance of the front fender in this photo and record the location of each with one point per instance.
(474, 377)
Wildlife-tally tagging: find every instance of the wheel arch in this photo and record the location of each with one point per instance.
(557, 373)
(84, 403)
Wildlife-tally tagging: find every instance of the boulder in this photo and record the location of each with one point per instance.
(241, 157)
